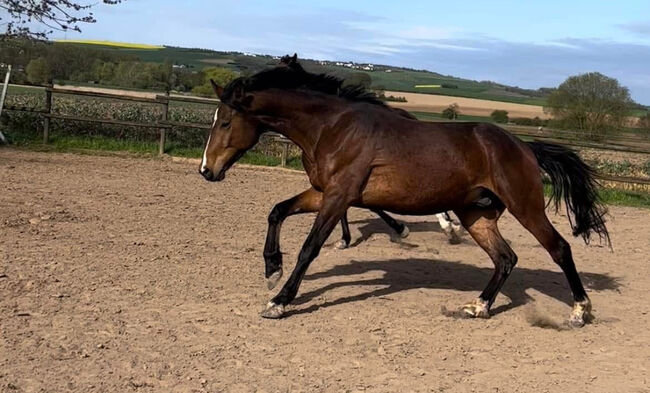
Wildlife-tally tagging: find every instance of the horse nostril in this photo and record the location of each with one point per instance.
(207, 173)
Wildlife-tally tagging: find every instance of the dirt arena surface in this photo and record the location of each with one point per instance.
(136, 275)
(467, 106)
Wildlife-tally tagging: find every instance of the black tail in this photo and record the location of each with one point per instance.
(573, 181)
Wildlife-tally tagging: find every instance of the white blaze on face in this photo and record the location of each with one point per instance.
(204, 162)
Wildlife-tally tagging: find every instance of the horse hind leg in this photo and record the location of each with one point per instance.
(525, 201)
(451, 229)
(400, 228)
(481, 223)
(536, 222)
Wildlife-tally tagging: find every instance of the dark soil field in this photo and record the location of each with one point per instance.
(123, 274)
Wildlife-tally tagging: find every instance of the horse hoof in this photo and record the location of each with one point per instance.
(575, 322)
(405, 232)
(273, 311)
(273, 279)
(581, 314)
(478, 309)
(341, 244)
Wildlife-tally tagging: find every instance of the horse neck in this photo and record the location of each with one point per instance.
(300, 117)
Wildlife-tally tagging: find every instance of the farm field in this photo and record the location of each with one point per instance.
(125, 274)
(468, 106)
(401, 79)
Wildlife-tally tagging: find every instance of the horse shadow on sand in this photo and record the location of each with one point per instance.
(415, 273)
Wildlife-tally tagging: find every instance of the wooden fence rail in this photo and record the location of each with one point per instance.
(163, 124)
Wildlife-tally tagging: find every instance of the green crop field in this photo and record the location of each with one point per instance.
(398, 79)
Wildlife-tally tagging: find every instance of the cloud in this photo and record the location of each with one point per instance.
(638, 28)
(335, 34)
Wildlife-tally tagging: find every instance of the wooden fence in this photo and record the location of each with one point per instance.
(630, 144)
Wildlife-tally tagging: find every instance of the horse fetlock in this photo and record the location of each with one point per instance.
(405, 232)
(452, 236)
(581, 313)
(342, 244)
(273, 279)
(273, 311)
(478, 309)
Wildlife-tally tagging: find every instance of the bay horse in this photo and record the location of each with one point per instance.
(451, 229)
(360, 153)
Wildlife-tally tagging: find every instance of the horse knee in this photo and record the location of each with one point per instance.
(275, 216)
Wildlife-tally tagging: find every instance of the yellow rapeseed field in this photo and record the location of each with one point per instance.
(112, 43)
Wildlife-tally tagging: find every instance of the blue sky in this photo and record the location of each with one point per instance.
(524, 43)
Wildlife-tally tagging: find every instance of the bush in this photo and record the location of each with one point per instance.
(499, 116)
(220, 75)
(448, 86)
(393, 98)
(527, 121)
(451, 112)
(38, 71)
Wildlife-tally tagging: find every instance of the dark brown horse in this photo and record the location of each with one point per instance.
(361, 153)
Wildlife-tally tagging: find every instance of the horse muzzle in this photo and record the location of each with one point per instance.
(211, 176)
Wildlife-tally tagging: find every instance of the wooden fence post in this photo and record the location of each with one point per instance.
(285, 153)
(46, 117)
(3, 94)
(161, 146)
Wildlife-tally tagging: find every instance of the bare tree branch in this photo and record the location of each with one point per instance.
(53, 15)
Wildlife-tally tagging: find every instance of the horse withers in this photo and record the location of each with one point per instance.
(361, 153)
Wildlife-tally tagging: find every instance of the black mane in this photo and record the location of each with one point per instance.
(295, 77)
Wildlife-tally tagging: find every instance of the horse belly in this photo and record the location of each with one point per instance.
(414, 191)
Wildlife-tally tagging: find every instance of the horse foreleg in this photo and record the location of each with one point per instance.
(305, 202)
(331, 212)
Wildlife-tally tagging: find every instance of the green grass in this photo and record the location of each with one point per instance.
(616, 197)
(100, 143)
(625, 198)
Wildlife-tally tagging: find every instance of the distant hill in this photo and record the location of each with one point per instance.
(382, 76)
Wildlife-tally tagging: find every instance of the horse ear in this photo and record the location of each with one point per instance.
(218, 90)
(240, 98)
(294, 58)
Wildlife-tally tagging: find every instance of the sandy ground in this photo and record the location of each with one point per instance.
(125, 274)
(467, 106)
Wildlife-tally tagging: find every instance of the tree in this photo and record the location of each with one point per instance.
(451, 112)
(499, 116)
(222, 76)
(61, 15)
(38, 71)
(592, 103)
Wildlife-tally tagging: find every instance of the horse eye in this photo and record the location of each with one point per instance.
(225, 124)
